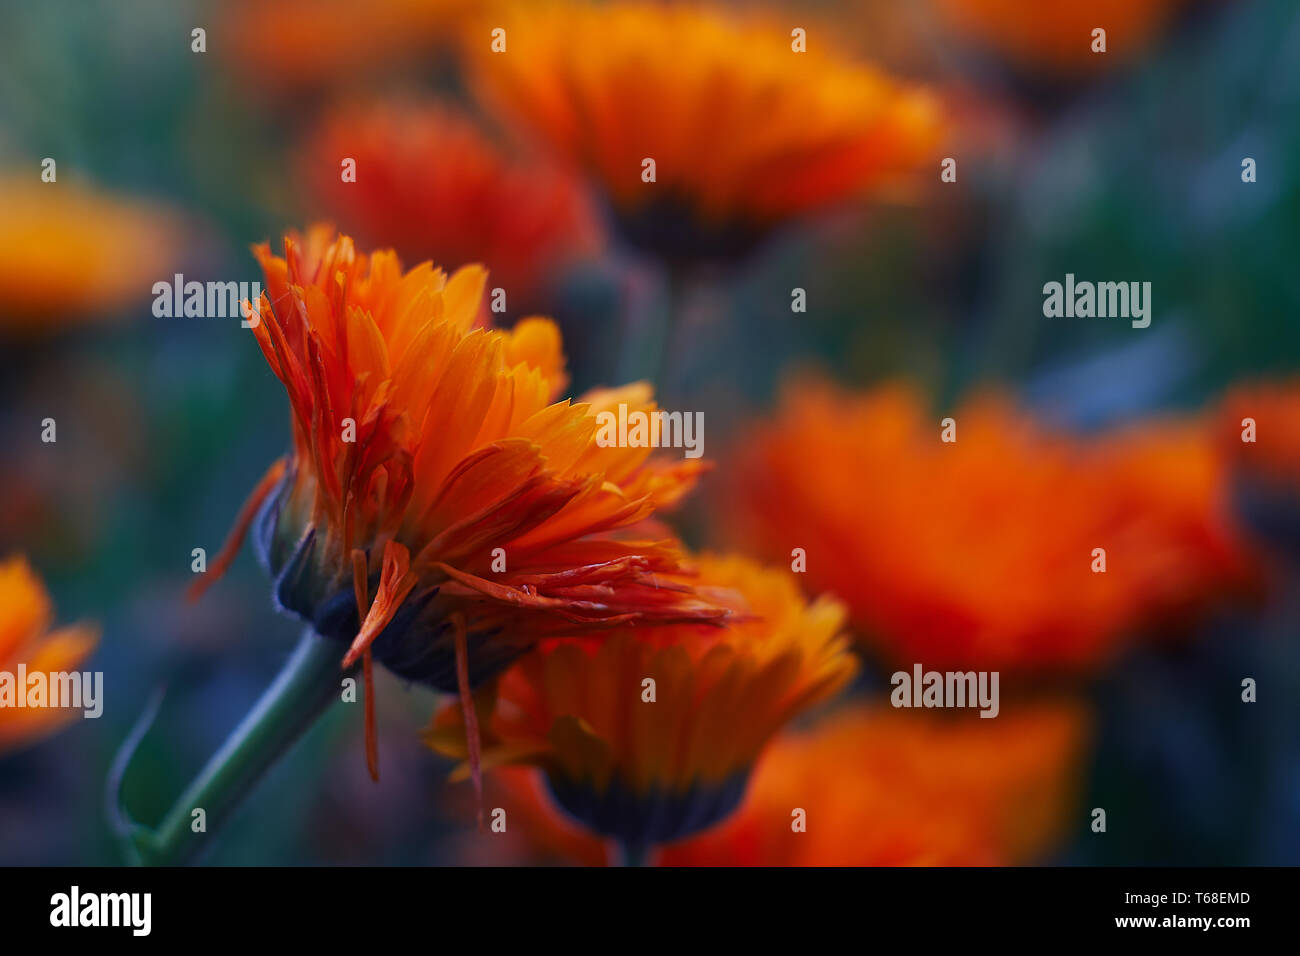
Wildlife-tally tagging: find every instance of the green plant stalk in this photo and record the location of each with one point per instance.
(301, 693)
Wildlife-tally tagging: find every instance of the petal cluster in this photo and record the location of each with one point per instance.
(650, 734)
(983, 551)
(27, 638)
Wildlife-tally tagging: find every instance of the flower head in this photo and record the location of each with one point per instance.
(1012, 547)
(435, 186)
(26, 638)
(439, 509)
(744, 132)
(650, 734)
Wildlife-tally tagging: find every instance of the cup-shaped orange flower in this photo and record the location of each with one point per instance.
(1010, 547)
(650, 734)
(434, 484)
(704, 132)
(26, 638)
(864, 786)
(435, 186)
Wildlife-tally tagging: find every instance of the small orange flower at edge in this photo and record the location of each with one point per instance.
(25, 638)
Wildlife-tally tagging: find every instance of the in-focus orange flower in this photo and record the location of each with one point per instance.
(878, 787)
(648, 763)
(1055, 36)
(1259, 434)
(435, 485)
(981, 552)
(432, 183)
(26, 615)
(70, 253)
(745, 133)
(881, 787)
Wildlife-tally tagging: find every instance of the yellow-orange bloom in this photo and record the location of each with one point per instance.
(744, 132)
(982, 552)
(652, 762)
(881, 787)
(26, 614)
(1055, 37)
(68, 252)
(434, 185)
(434, 485)
(877, 787)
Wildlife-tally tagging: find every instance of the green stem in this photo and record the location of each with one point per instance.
(301, 693)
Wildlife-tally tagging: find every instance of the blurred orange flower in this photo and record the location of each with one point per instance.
(744, 132)
(981, 551)
(1055, 37)
(438, 508)
(70, 253)
(1268, 413)
(650, 734)
(881, 787)
(1259, 433)
(26, 638)
(434, 185)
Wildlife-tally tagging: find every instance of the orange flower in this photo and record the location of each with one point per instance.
(26, 638)
(881, 787)
(652, 762)
(431, 472)
(744, 132)
(1259, 433)
(1056, 36)
(878, 787)
(68, 253)
(431, 182)
(981, 552)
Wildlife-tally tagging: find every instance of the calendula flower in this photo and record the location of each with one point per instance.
(1009, 547)
(434, 185)
(744, 133)
(649, 735)
(26, 616)
(69, 253)
(865, 786)
(1056, 36)
(1259, 434)
(439, 510)
(881, 787)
